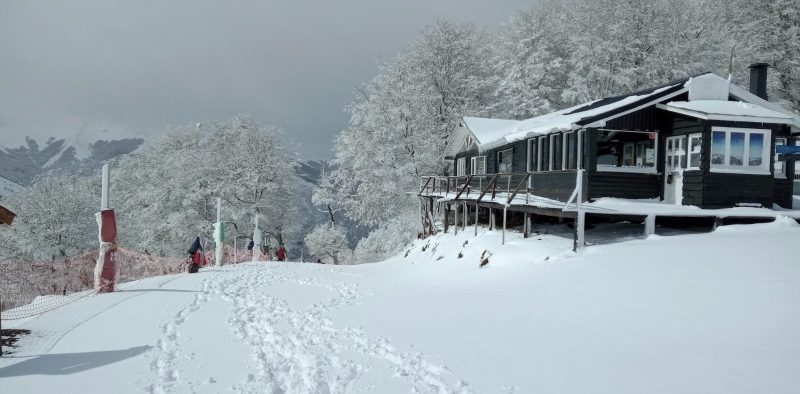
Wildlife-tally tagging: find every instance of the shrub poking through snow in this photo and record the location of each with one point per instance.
(465, 243)
(484, 258)
(460, 254)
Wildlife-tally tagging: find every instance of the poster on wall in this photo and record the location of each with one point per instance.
(650, 156)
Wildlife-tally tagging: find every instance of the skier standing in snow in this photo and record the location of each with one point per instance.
(280, 253)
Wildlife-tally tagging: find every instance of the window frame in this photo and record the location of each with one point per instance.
(461, 166)
(782, 173)
(689, 152)
(766, 151)
(620, 168)
(532, 142)
(553, 151)
(510, 164)
(565, 151)
(544, 140)
(473, 165)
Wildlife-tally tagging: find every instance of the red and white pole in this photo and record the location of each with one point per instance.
(105, 271)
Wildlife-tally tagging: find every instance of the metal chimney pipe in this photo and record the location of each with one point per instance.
(758, 79)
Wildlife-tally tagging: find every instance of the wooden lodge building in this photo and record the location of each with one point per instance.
(699, 142)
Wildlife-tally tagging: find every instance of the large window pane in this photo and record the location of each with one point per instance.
(756, 149)
(572, 151)
(545, 164)
(695, 143)
(533, 155)
(737, 149)
(504, 161)
(556, 148)
(718, 148)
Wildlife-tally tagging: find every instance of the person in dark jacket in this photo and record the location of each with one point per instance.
(196, 256)
(281, 253)
(250, 246)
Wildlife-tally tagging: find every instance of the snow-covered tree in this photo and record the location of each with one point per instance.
(327, 241)
(167, 192)
(531, 61)
(55, 218)
(405, 116)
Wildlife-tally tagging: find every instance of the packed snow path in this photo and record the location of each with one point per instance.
(294, 348)
(692, 313)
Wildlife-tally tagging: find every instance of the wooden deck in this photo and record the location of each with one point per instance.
(510, 192)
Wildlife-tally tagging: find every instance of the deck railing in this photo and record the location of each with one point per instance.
(555, 185)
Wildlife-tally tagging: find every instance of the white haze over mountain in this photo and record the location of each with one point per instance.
(130, 69)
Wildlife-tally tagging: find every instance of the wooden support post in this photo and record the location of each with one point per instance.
(430, 217)
(717, 222)
(477, 208)
(650, 225)
(455, 219)
(580, 231)
(505, 217)
(445, 215)
(526, 225)
(464, 226)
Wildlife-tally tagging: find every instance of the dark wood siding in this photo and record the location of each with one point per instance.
(692, 187)
(645, 119)
(556, 185)
(623, 185)
(723, 190)
(783, 193)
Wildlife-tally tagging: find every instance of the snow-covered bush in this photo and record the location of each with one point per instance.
(387, 240)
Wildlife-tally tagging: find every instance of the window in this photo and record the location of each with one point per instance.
(740, 150)
(544, 154)
(570, 151)
(478, 165)
(628, 155)
(533, 155)
(461, 166)
(695, 144)
(780, 166)
(555, 152)
(676, 152)
(504, 158)
(626, 151)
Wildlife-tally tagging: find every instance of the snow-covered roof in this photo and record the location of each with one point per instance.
(487, 129)
(729, 110)
(708, 93)
(570, 118)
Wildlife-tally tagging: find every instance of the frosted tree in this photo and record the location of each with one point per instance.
(405, 116)
(764, 32)
(55, 218)
(167, 191)
(531, 62)
(327, 240)
(248, 166)
(623, 46)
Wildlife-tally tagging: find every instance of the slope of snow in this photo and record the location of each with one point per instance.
(712, 313)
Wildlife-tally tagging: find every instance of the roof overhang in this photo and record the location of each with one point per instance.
(602, 121)
(729, 118)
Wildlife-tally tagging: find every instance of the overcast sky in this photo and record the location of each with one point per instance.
(136, 67)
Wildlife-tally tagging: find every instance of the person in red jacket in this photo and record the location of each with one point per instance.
(281, 253)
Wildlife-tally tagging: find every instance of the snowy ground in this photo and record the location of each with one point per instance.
(711, 313)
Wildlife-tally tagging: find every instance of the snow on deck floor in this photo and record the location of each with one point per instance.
(622, 206)
(711, 312)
